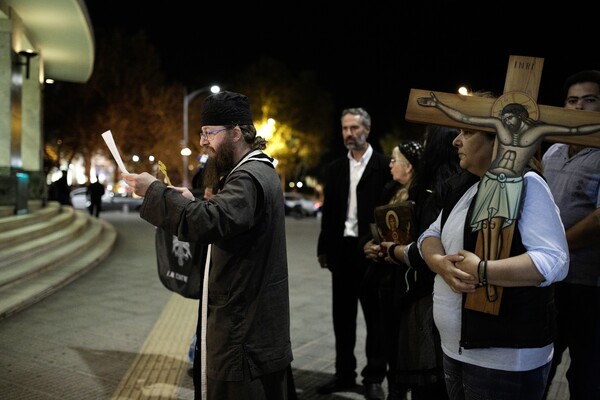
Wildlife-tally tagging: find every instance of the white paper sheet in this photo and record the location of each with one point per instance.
(108, 138)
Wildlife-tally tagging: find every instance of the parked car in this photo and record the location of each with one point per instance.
(300, 205)
(111, 201)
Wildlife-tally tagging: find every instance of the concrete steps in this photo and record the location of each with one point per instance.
(44, 250)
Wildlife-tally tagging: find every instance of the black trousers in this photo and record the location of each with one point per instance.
(95, 208)
(348, 291)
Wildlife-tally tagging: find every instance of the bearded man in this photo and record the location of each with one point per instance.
(354, 186)
(244, 322)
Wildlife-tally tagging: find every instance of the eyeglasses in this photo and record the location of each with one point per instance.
(210, 134)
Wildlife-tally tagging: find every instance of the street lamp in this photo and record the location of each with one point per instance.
(185, 151)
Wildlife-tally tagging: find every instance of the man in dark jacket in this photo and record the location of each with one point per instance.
(353, 188)
(95, 191)
(244, 323)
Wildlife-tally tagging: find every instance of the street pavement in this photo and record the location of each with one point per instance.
(117, 333)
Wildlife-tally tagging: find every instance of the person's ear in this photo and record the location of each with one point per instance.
(237, 133)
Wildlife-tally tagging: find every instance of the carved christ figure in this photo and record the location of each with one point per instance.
(497, 201)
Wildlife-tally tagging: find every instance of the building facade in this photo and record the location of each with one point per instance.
(41, 41)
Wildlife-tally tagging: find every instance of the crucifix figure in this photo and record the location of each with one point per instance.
(513, 117)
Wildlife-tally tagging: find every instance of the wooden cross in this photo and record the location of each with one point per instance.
(523, 75)
(521, 87)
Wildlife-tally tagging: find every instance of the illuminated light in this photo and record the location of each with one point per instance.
(135, 158)
(267, 129)
(186, 152)
(299, 184)
(291, 184)
(464, 91)
(151, 158)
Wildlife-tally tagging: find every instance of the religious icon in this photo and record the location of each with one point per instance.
(518, 139)
(391, 219)
(394, 222)
(498, 198)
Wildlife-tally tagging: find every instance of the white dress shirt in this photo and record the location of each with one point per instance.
(356, 171)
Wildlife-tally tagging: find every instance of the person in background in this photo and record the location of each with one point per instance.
(60, 190)
(382, 276)
(95, 191)
(247, 316)
(504, 356)
(353, 187)
(416, 355)
(573, 175)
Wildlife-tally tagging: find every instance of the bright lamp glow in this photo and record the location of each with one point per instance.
(463, 90)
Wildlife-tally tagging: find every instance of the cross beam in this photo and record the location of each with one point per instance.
(482, 106)
(523, 75)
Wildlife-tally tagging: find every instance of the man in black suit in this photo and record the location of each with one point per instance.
(353, 188)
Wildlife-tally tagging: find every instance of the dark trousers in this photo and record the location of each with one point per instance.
(578, 323)
(346, 279)
(95, 208)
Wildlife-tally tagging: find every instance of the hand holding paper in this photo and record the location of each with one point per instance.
(107, 136)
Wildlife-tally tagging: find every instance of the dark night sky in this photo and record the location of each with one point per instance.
(368, 55)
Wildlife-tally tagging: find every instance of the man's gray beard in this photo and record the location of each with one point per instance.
(357, 146)
(218, 164)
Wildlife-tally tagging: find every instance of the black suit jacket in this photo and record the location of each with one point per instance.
(369, 194)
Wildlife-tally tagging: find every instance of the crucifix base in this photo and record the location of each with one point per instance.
(487, 299)
(480, 301)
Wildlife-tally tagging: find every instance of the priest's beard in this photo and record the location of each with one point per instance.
(219, 163)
